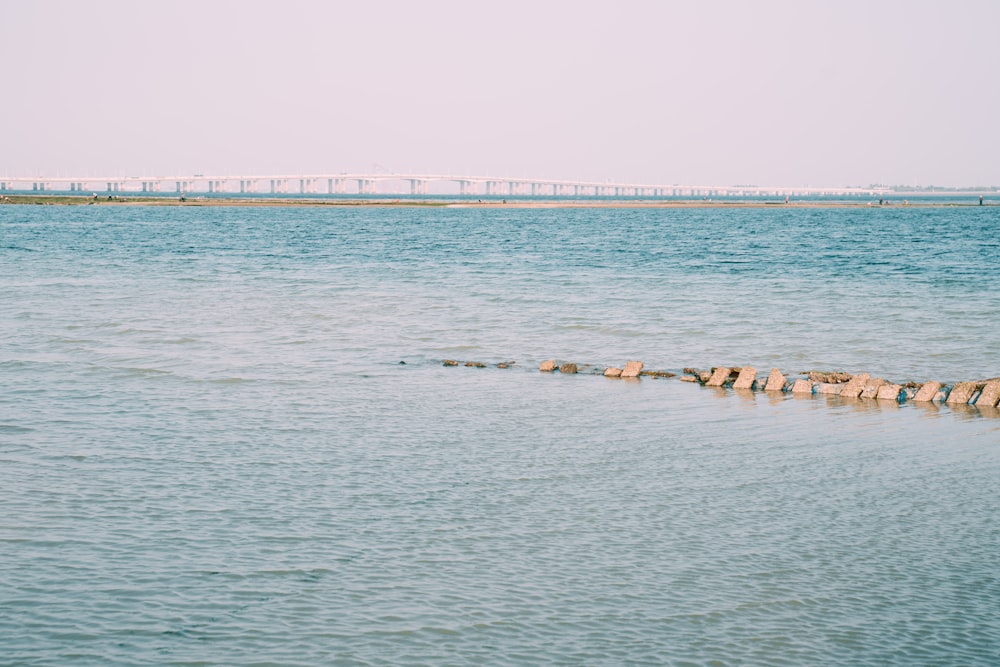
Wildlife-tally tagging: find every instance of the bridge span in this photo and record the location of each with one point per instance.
(416, 184)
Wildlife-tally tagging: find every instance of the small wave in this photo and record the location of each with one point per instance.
(12, 428)
(144, 371)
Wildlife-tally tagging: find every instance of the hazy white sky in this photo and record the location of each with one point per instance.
(772, 93)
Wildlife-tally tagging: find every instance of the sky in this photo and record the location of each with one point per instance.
(783, 93)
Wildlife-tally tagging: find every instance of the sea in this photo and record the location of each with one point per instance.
(227, 436)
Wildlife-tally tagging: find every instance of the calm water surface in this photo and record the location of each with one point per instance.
(210, 453)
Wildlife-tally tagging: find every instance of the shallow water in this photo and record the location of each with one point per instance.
(210, 453)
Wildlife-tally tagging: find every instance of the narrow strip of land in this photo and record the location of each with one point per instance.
(117, 200)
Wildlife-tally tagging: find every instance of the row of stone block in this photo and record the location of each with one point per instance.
(476, 364)
(981, 393)
(984, 393)
(632, 369)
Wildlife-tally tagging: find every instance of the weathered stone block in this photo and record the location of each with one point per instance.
(829, 388)
(632, 369)
(688, 378)
(746, 377)
(719, 377)
(568, 369)
(927, 392)
(889, 392)
(854, 386)
(657, 374)
(775, 381)
(871, 388)
(835, 377)
(613, 372)
(802, 387)
(548, 366)
(961, 393)
(990, 396)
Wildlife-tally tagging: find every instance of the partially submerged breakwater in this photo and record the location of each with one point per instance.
(979, 393)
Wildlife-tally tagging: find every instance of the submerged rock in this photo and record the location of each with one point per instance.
(657, 374)
(802, 387)
(829, 388)
(775, 381)
(632, 369)
(719, 377)
(829, 378)
(450, 362)
(855, 385)
(889, 392)
(475, 364)
(961, 393)
(689, 378)
(990, 396)
(871, 387)
(568, 369)
(746, 378)
(927, 392)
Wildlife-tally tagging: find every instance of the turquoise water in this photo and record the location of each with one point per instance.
(211, 454)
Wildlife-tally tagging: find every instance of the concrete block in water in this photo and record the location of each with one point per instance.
(990, 396)
(632, 369)
(889, 392)
(548, 366)
(746, 377)
(775, 381)
(568, 369)
(689, 378)
(855, 385)
(927, 392)
(871, 388)
(829, 388)
(961, 393)
(719, 377)
(612, 372)
(802, 387)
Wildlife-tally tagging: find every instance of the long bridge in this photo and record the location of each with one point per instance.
(367, 184)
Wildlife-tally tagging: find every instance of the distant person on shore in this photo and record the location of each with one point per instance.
(980, 200)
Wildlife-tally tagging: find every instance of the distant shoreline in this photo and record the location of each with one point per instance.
(118, 200)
